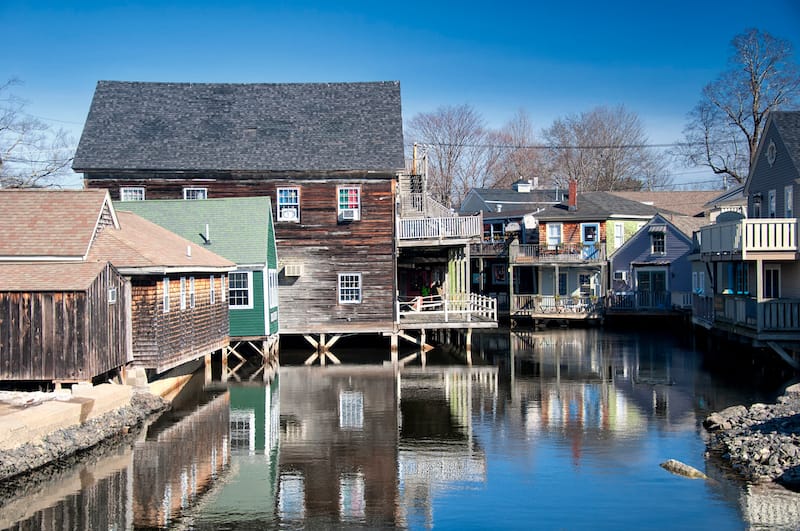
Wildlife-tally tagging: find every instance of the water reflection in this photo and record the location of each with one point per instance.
(564, 428)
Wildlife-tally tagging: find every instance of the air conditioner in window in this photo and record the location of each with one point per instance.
(288, 214)
(349, 214)
(293, 270)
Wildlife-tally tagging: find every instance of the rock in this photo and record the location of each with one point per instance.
(682, 469)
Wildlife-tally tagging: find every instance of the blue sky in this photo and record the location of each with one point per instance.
(550, 59)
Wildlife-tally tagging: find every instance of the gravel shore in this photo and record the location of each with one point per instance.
(760, 443)
(66, 442)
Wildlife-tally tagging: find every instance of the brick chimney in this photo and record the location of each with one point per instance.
(573, 195)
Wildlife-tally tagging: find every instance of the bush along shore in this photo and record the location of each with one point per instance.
(760, 443)
(67, 442)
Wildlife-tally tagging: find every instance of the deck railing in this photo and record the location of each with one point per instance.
(455, 227)
(775, 315)
(544, 305)
(493, 249)
(562, 252)
(465, 307)
(749, 235)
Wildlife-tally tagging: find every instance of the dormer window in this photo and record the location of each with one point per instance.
(658, 241)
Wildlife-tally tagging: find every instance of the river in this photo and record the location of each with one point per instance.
(553, 429)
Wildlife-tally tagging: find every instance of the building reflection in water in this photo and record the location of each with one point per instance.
(371, 447)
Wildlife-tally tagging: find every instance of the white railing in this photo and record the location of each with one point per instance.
(466, 307)
(440, 228)
(750, 235)
(550, 304)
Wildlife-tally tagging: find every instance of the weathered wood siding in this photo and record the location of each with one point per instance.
(164, 340)
(323, 245)
(64, 335)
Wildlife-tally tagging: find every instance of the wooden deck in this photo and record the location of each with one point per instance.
(550, 307)
(437, 312)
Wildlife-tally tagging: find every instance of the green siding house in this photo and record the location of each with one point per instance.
(241, 230)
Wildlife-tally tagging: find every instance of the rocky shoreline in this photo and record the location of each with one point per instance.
(760, 443)
(67, 442)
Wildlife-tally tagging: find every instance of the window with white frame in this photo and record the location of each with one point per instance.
(553, 234)
(191, 292)
(212, 294)
(240, 290)
(289, 204)
(349, 204)
(272, 278)
(195, 193)
(183, 293)
(658, 242)
(771, 205)
(619, 234)
(131, 193)
(349, 288)
(165, 295)
(788, 201)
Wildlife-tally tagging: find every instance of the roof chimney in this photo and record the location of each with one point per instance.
(573, 195)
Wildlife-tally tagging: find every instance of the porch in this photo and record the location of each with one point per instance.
(774, 319)
(433, 231)
(524, 254)
(755, 236)
(555, 307)
(454, 311)
(648, 301)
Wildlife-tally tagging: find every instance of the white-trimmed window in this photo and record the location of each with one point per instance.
(272, 278)
(183, 293)
(191, 292)
(212, 294)
(658, 242)
(240, 290)
(349, 288)
(619, 234)
(553, 234)
(131, 193)
(195, 193)
(349, 203)
(698, 282)
(289, 204)
(788, 201)
(165, 295)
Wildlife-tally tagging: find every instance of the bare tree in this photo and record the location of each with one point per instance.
(454, 137)
(725, 126)
(515, 153)
(603, 149)
(32, 154)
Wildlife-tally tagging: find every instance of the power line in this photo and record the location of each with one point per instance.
(564, 146)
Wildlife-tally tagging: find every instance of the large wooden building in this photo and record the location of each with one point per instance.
(328, 155)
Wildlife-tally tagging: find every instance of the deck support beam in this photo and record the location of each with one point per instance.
(322, 348)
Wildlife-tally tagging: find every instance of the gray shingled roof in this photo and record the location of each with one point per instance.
(596, 206)
(788, 123)
(226, 126)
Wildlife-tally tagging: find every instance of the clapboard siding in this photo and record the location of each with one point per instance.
(164, 340)
(75, 335)
(248, 322)
(324, 246)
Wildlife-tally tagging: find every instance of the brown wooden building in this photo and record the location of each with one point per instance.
(66, 314)
(328, 155)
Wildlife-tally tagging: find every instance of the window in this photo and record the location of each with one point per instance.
(240, 286)
(771, 206)
(553, 234)
(772, 281)
(619, 235)
(183, 293)
(131, 193)
(349, 203)
(657, 240)
(349, 288)
(195, 193)
(620, 275)
(788, 201)
(191, 292)
(112, 295)
(698, 282)
(165, 296)
(212, 296)
(289, 204)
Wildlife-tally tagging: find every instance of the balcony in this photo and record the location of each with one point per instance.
(435, 230)
(775, 237)
(555, 307)
(561, 253)
(774, 319)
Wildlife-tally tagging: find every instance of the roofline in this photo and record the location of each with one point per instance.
(41, 258)
(167, 270)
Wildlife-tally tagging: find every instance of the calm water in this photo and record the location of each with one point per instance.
(561, 429)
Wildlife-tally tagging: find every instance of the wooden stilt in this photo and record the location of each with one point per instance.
(469, 346)
(394, 342)
(207, 362)
(321, 350)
